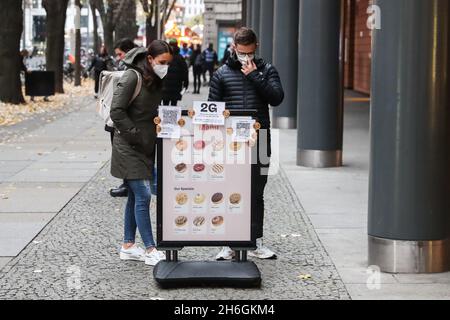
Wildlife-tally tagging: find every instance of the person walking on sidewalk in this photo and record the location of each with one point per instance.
(226, 55)
(121, 48)
(210, 61)
(134, 143)
(197, 68)
(247, 82)
(100, 63)
(177, 78)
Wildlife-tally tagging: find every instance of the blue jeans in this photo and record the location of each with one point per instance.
(137, 213)
(155, 181)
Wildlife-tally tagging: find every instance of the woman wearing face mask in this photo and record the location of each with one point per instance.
(134, 143)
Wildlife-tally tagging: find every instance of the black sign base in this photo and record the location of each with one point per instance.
(210, 274)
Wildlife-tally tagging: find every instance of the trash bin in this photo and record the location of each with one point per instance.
(40, 84)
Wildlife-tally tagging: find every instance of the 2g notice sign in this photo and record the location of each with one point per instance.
(209, 113)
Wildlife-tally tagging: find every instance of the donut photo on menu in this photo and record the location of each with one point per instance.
(199, 198)
(181, 221)
(235, 146)
(217, 221)
(217, 169)
(199, 167)
(235, 199)
(181, 145)
(217, 198)
(199, 145)
(181, 168)
(181, 199)
(199, 221)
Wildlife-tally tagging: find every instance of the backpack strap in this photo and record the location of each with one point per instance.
(138, 85)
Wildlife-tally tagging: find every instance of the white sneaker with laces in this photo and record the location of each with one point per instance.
(262, 252)
(225, 254)
(154, 257)
(134, 253)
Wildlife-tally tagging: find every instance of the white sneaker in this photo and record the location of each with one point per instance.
(154, 257)
(135, 253)
(262, 252)
(225, 254)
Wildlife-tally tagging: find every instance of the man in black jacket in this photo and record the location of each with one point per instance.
(246, 82)
(177, 78)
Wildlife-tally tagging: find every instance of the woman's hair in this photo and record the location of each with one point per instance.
(155, 49)
(103, 51)
(125, 45)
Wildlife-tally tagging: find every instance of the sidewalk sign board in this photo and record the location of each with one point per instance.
(206, 198)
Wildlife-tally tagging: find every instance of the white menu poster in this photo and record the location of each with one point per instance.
(206, 193)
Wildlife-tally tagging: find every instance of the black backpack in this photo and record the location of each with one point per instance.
(199, 60)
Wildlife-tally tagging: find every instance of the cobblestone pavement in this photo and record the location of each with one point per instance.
(75, 256)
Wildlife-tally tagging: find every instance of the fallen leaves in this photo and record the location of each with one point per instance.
(305, 277)
(11, 114)
(294, 235)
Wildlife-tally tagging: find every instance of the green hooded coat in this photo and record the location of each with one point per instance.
(133, 151)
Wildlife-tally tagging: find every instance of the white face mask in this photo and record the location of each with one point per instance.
(245, 58)
(161, 70)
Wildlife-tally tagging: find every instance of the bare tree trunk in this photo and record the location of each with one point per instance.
(151, 27)
(151, 31)
(94, 17)
(56, 20)
(77, 50)
(11, 17)
(110, 16)
(108, 33)
(127, 27)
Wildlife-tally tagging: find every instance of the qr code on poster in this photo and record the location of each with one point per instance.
(170, 117)
(243, 130)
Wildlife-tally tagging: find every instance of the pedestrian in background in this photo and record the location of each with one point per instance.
(134, 144)
(210, 61)
(247, 82)
(186, 52)
(100, 63)
(226, 55)
(177, 78)
(197, 68)
(121, 48)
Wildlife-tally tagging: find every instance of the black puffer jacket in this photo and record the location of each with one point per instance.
(258, 90)
(177, 78)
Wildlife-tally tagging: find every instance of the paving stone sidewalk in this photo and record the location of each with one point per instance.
(75, 256)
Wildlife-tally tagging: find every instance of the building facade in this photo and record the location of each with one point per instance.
(192, 8)
(221, 19)
(358, 46)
